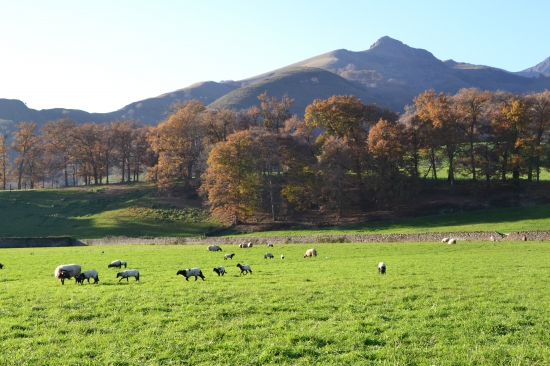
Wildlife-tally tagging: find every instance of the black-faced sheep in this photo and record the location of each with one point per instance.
(220, 271)
(445, 240)
(86, 275)
(66, 271)
(127, 274)
(310, 253)
(191, 272)
(268, 255)
(451, 241)
(117, 264)
(229, 256)
(282, 256)
(214, 248)
(245, 268)
(269, 244)
(382, 268)
(245, 245)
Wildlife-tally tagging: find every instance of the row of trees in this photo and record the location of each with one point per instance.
(342, 152)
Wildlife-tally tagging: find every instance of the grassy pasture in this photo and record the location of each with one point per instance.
(475, 303)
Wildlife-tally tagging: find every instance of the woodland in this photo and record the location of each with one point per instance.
(263, 162)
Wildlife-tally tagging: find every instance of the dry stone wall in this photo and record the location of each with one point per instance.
(295, 239)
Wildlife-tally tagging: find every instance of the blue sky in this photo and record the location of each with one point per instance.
(100, 55)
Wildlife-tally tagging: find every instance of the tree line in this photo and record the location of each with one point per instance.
(265, 160)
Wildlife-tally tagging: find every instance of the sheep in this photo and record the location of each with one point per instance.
(523, 238)
(118, 264)
(245, 268)
(243, 245)
(66, 271)
(382, 268)
(214, 248)
(86, 275)
(268, 255)
(191, 272)
(128, 273)
(282, 256)
(269, 245)
(220, 271)
(445, 240)
(492, 238)
(451, 241)
(230, 256)
(310, 253)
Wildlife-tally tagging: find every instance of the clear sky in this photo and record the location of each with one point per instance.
(101, 55)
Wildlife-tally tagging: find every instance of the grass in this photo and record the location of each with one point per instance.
(95, 212)
(504, 220)
(472, 303)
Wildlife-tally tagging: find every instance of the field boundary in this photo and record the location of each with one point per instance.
(295, 239)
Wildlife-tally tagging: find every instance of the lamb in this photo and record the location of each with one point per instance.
(118, 264)
(127, 274)
(382, 268)
(191, 272)
(245, 268)
(445, 240)
(310, 253)
(86, 275)
(230, 256)
(282, 256)
(269, 245)
(268, 255)
(214, 248)
(451, 241)
(66, 271)
(220, 271)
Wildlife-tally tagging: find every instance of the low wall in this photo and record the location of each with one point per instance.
(295, 239)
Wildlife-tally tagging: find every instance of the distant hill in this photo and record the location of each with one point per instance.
(389, 74)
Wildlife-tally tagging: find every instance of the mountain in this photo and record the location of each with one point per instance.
(542, 68)
(389, 74)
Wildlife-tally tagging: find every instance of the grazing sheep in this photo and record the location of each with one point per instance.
(220, 271)
(214, 248)
(268, 255)
(282, 256)
(382, 268)
(66, 271)
(523, 238)
(191, 272)
(245, 245)
(118, 263)
(445, 240)
(86, 275)
(230, 256)
(310, 253)
(451, 241)
(127, 274)
(269, 245)
(245, 268)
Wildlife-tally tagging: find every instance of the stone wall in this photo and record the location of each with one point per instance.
(297, 239)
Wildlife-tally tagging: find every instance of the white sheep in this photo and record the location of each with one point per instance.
(245, 268)
(445, 240)
(282, 256)
(127, 274)
(228, 256)
(66, 271)
(451, 241)
(214, 248)
(117, 264)
(269, 245)
(191, 272)
(86, 275)
(268, 255)
(382, 268)
(245, 245)
(310, 253)
(220, 271)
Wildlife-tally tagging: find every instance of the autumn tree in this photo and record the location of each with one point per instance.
(179, 144)
(59, 143)
(26, 143)
(89, 151)
(539, 126)
(274, 111)
(231, 183)
(5, 166)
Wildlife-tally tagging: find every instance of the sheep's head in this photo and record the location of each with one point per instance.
(181, 272)
(119, 274)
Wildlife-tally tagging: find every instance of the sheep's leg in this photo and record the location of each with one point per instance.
(62, 281)
(187, 279)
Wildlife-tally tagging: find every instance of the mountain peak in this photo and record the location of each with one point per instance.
(387, 42)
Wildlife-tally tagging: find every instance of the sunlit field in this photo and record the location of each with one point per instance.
(470, 303)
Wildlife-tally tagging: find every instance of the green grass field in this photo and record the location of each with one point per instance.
(475, 303)
(96, 212)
